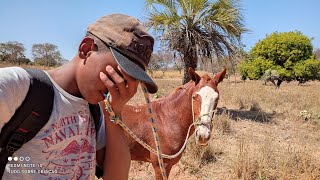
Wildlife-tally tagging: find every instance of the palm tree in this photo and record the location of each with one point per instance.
(197, 28)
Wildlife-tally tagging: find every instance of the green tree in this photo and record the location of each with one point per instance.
(12, 52)
(307, 70)
(255, 69)
(46, 54)
(286, 52)
(197, 28)
(284, 49)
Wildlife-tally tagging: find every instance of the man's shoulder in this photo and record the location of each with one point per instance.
(14, 85)
(13, 79)
(11, 69)
(13, 74)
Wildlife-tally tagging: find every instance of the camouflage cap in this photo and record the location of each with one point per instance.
(130, 44)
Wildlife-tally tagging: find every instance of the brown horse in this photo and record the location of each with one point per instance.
(174, 115)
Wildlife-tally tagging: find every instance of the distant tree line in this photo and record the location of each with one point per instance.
(44, 54)
(164, 60)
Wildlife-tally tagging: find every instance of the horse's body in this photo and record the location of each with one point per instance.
(173, 116)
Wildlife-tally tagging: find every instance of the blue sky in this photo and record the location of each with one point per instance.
(64, 22)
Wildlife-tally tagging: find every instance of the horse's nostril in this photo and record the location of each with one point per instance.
(197, 133)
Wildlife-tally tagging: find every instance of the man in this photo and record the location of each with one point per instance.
(111, 58)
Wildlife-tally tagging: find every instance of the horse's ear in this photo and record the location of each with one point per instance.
(219, 76)
(193, 75)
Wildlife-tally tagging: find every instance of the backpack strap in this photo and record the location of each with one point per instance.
(96, 114)
(29, 118)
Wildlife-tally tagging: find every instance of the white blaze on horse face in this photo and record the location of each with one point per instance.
(208, 99)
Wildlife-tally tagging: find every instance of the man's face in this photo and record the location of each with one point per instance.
(89, 83)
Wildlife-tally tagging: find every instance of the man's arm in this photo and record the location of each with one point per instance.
(115, 158)
(117, 155)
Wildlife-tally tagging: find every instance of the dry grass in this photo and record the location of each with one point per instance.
(170, 74)
(2, 64)
(259, 133)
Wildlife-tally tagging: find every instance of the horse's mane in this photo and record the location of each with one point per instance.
(183, 89)
(206, 77)
(188, 85)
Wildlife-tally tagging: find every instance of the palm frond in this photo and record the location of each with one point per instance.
(167, 5)
(198, 27)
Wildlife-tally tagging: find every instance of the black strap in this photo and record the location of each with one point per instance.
(96, 114)
(29, 118)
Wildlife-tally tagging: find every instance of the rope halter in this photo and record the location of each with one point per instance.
(197, 122)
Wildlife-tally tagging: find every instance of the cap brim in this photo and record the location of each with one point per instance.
(134, 70)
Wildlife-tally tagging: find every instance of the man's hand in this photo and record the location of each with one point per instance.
(121, 89)
(116, 156)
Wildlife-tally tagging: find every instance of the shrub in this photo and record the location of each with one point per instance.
(289, 53)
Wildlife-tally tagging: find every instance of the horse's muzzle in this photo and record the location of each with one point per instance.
(203, 135)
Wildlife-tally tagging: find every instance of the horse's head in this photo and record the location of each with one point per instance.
(205, 98)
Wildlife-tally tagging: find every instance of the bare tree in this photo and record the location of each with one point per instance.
(160, 61)
(166, 60)
(46, 54)
(153, 64)
(317, 53)
(12, 52)
(178, 63)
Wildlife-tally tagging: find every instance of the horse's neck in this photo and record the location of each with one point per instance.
(179, 104)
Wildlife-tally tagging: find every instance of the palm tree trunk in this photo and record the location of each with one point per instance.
(189, 61)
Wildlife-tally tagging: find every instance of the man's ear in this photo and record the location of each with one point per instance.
(87, 45)
(193, 75)
(220, 76)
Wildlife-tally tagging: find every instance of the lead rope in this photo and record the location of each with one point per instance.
(154, 130)
(115, 119)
